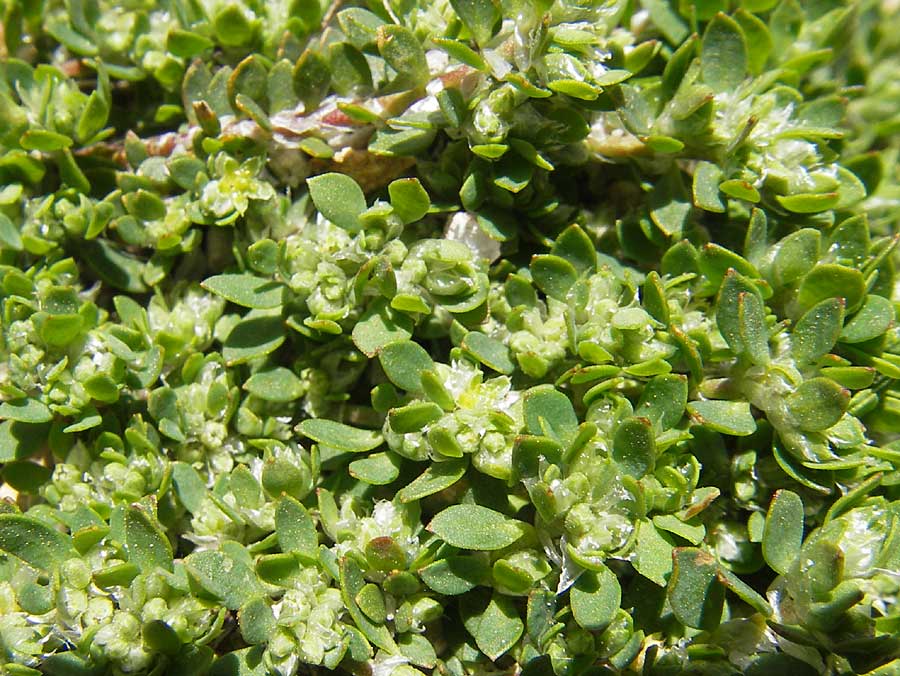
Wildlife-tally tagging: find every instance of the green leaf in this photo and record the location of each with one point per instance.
(851, 377)
(281, 569)
(44, 140)
(796, 255)
(676, 68)
(653, 298)
(474, 527)
(295, 529)
(350, 72)
(102, 387)
(728, 417)
(26, 411)
(34, 542)
(385, 554)
(660, 144)
(752, 327)
(58, 330)
(830, 280)
(404, 362)
(818, 403)
(253, 337)
(575, 246)
(513, 173)
(716, 262)
(256, 620)
(402, 142)
(665, 17)
(414, 416)
(25, 476)
(550, 413)
(595, 599)
(380, 324)
(707, 177)
(311, 81)
(159, 636)
(438, 477)
(409, 199)
(577, 89)
(529, 451)
(495, 628)
(145, 205)
(553, 275)
(488, 351)
(850, 241)
(756, 242)
(243, 662)
(724, 54)
(246, 290)
(758, 39)
(479, 16)
(90, 419)
(116, 575)
(783, 532)
(851, 190)
(371, 602)
(817, 331)
(21, 440)
(745, 592)
(871, 321)
(464, 54)
(634, 447)
(669, 204)
(742, 190)
(402, 51)
(378, 469)
(189, 486)
(95, 113)
(9, 234)
(145, 542)
(653, 553)
(360, 26)
(418, 649)
(186, 44)
(338, 198)
(119, 270)
(528, 152)
(352, 583)
(808, 203)
(825, 565)
(737, 315)
(278, 384)
(262, 256)
(340, 436)
(283, 474)
(695, 593)
(229, 581)
(456, 575)
(693, 533)
(663, 401)
(233, 27)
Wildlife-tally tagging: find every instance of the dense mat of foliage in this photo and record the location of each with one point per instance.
(461, 337)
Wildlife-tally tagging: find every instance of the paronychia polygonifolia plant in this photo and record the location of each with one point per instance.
(454, 337)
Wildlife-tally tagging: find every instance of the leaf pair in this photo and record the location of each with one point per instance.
(340, 199)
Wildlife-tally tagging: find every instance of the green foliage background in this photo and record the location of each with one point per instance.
(470, 337)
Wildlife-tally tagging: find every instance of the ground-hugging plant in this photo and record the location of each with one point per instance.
(464, 337)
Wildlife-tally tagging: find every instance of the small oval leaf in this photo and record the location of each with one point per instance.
(246, 290)
(783, 532)
(340, 436)
(475, 527)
